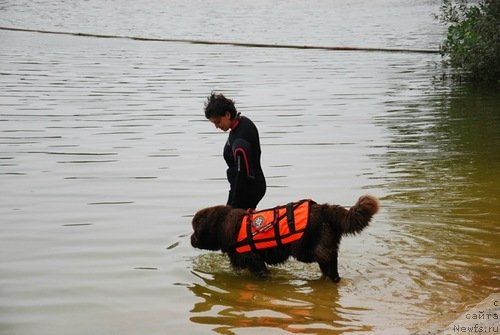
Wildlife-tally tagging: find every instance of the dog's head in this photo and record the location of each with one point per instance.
(206, 223)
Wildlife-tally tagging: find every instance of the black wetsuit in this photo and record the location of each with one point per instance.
(244, 173)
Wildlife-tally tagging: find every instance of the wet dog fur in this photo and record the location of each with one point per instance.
(216, 228)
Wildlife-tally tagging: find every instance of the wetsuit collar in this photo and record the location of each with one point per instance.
(236, 122)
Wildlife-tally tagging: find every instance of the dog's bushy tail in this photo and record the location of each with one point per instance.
(359, 215)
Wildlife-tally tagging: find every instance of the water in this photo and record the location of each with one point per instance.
(105, 155)
(389, 23)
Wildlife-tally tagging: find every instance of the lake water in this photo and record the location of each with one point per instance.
(105, 155)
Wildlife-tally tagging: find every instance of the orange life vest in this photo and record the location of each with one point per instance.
(273, 227)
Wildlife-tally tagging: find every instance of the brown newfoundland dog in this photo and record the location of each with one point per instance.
(311, 233)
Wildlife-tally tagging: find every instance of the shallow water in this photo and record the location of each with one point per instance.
(105, 155)
(387, 23)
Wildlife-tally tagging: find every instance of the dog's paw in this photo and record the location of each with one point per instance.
(336, 279)
(262, 274)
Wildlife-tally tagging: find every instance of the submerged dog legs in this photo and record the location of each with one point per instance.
(330, 269)
(258, 268)
(251, 261)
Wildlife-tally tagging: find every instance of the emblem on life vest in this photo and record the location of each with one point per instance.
(258, 222)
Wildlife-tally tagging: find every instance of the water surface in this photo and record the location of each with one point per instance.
(105, 155)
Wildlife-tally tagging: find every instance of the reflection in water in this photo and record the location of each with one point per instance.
(232, 301)
(443, 168)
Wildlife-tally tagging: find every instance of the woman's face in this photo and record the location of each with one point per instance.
(222, 122)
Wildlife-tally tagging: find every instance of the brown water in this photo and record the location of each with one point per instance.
(105, 155)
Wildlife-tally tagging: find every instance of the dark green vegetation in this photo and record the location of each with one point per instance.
(472, 45)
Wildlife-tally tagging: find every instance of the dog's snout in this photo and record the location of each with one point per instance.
(194, 240)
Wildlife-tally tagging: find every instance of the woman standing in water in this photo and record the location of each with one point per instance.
(241, 152)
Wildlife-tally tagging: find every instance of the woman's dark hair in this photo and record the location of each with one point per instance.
(217, 105)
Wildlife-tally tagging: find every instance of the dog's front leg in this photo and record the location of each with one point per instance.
(251, 261)
(258, 267)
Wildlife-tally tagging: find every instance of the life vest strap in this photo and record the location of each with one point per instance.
(249, 229)
(276, 228)
(290, 215)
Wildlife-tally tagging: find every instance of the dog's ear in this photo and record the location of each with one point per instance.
(199, 219)
(207, 217)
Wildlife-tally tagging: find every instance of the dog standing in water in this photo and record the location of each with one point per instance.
(305, 230)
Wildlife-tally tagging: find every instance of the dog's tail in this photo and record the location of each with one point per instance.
(359, 215)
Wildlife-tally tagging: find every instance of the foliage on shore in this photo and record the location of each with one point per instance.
(472, 45)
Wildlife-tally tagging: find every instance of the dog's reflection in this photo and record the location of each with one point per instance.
(285, 301)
